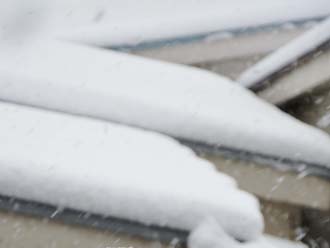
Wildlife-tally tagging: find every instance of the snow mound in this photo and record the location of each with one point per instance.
(119, 171)
(177, 100)
(209, 234)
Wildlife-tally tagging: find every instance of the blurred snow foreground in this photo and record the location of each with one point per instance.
(122, 171)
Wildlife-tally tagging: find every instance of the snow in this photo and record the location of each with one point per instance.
(119, 171)
(104, 168)
(324, 121)
(127, 22)
(177, 100)
(286, 55)
(282, 243)
(209, 234)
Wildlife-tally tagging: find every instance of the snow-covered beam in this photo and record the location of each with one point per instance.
(286, 56)
(304, 78)
(113, 170)
(183, 102)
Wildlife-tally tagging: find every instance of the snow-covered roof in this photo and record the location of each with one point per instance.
(286, 55)
(117, 23)
(180, 101)
(119, 171)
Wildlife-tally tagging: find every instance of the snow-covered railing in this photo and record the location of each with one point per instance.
(120, 179)
(105, 169)
(183, 102)
(289, 55)
(111, 170)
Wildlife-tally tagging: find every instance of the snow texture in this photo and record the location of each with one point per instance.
(180, 101)
(119, 171)
(127, 22)
(286, 55)
(324, 121)
(209, 234)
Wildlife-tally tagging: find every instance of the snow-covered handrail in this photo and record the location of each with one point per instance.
(180, 101)
(286, 55)
(113, 170)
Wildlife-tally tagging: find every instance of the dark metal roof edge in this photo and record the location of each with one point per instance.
(82, 218)
(275, 162)
(199, 37)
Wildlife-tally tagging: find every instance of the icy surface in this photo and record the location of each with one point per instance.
(113, 22)
(177, 100)
(116, 170)
(209, 234)
(286, 55)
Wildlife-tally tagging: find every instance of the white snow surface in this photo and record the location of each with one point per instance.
(209, 234)
(324, 121)
(282, 243)
(115, 23)
(286, 55)
(119, 171)
(180, 101)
